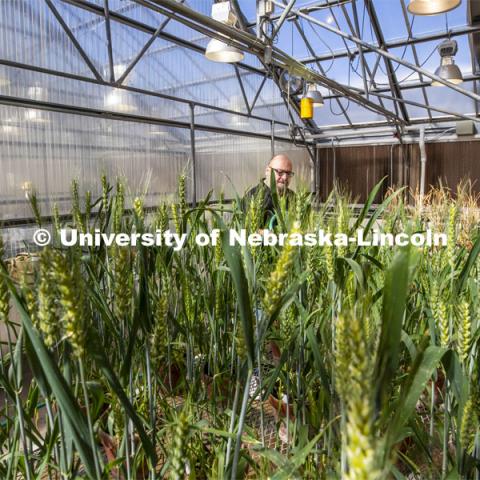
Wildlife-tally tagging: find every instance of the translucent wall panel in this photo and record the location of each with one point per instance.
(50, 88)
(205, 116)
(228, 163)
(29, 33)
(302, 165)
(52, 149)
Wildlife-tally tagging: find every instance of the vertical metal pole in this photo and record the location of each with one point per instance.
(108, 31)
(317, 173)
(423, 163)
(272, 140)
(334, 162)
(192, 154)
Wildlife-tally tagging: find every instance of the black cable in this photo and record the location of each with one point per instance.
(402, 57)
(326, 70)
(345, 109)
(403, 80)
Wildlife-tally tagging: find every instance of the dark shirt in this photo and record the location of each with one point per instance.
(267, 205)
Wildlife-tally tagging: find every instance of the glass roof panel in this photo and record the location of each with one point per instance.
(442, 98)
(30, 34)
(391, 18)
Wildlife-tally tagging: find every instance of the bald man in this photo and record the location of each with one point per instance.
(282, 168)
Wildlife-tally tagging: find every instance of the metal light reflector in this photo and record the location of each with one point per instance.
(432, 7)
(219, 51)
(315, 95)
(448, 70)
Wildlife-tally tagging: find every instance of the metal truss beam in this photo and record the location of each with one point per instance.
(310, 9)
(410, 86)
(257, 95)
(156, 33)
(142, 51)
(73, 39)
(379, 92)
(286, 97)
(365, 66)
(242, 88)
(420, 105)
(385, 54)
(108, 33)
(248, 42)
(356, 31)
(177, 99)
(392, 77)
(93, 8)
(359, 128)
(126, 117)
(214, 109)
(431, 37)
(320, 67)
(415, 54)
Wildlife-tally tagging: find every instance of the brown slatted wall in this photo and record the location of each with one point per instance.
(361, 167)
(452, 162)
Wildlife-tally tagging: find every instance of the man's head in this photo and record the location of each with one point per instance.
(282, 167)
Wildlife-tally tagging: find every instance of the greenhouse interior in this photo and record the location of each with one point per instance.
(239, 239)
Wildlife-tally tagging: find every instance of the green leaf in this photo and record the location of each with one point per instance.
(409, 344)
(66, 401)
(394, 300)
(421, 372)
(472, 258)
(378, 211)
(456, 376)
(322, 372)
(234, 260)
(98, 355)
(368, 204)
(357, 270)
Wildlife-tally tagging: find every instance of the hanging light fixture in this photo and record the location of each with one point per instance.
(315, 95)
(219, 51)
(432, 7)
(447, 69)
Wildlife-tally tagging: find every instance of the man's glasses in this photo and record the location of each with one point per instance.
(285, 173)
